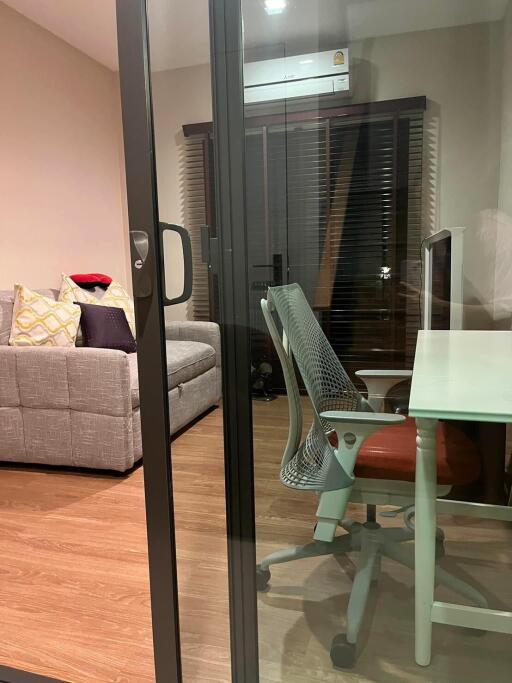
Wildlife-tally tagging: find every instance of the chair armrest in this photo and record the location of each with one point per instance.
(195, 330)
(399, 375)
(353, 427)
(344, 417)
(379, 382)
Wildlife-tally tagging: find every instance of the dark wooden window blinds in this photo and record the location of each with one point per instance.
(199, 213)
(334, 203)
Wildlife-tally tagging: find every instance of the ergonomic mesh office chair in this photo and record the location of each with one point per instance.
(353, 452)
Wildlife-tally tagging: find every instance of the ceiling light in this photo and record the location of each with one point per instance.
(275, 6)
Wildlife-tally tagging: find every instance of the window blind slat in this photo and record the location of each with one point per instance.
(194, 178)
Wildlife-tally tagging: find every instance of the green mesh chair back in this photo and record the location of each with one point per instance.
(306, 464)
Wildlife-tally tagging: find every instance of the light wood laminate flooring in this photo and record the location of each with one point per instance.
(74, 591)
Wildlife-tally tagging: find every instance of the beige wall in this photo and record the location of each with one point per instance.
(180, 96)
(61, 165)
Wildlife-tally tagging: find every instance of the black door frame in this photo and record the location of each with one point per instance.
(227, 85)
(141, 188)
(229, 146)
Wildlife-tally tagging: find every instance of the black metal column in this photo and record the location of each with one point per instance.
(229, 139)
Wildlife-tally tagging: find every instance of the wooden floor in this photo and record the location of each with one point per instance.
(74, 586)
(305, 607)
(74, 596)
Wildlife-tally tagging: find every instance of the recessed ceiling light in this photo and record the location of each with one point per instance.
(275, 6)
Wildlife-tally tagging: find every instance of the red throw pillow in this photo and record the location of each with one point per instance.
(91, 279)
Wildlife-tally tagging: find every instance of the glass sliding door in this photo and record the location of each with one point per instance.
(343, 179)
(166, 90)
(372, 180)
(146, 259)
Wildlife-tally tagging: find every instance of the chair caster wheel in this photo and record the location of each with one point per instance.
(343, 653)
(262, 578)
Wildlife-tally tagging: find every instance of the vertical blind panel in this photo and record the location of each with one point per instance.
(362, 321)
(414, 236)
(194, 175)
(335, 205)
(353, 227)
(259, 255)
(307, 202)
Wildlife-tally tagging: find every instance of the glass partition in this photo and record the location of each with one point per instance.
(377, 167)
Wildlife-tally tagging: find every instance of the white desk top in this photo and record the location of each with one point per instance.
(462, 375)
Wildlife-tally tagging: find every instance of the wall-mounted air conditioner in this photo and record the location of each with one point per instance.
(318, 73)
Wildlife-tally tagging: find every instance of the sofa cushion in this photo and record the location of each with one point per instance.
(42, 376)
(185, 361)
(9, 392)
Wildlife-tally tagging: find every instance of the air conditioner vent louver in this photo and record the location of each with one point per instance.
(317, 73)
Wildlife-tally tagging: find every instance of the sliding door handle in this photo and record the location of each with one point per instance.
(187, 263)
(209, 252)
(141, 278)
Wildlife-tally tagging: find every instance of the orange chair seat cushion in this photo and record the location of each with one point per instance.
(390, 453)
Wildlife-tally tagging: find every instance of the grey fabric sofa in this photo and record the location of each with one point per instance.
(80, 406)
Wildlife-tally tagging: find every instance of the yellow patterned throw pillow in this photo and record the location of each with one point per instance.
(39, 321)
(115, 296)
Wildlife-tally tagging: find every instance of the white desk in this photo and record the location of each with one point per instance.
(458, 375)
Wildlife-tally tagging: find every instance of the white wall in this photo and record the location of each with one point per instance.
(180, 96)
(62, 195)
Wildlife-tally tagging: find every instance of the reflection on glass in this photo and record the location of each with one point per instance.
(181, 99)
(378, 166)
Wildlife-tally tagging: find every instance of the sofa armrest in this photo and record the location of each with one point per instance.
(195, 330)
(67, 406)
(82, 379)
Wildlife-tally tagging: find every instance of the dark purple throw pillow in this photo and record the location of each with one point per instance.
(106, 327)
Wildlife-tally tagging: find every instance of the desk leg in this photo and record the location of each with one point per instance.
(425, 541)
